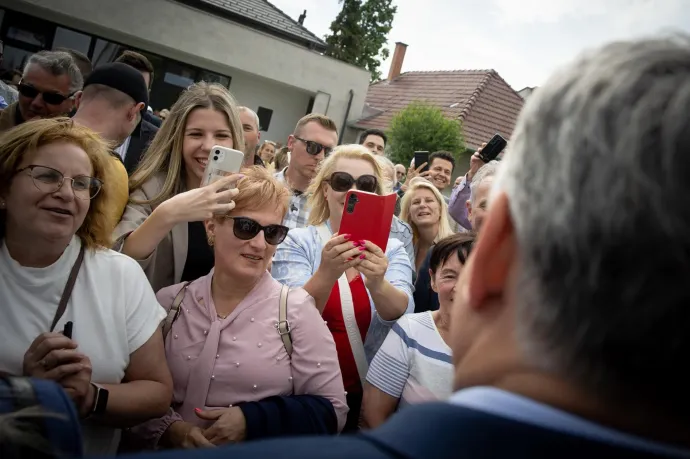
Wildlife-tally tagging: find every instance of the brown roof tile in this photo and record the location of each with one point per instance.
(481, 99)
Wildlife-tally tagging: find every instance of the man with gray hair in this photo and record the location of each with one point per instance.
(480, 189)
(49, 83)
(252, 136)
(569, 327)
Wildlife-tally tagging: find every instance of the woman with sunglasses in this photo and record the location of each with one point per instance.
(162, 226)
(74, 311)
(240, 370)
(414, 363)
(358, 289)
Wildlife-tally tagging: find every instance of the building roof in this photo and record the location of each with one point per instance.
(262, 15)
(481, 99)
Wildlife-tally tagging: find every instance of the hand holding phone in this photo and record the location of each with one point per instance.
(202, 203)
(368, 217)
(493, 148)
(421, 159)
(67, 331)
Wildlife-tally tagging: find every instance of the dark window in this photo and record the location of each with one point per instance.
(211, 77)
(104, 52)
(310, 105)
(15, 58)
(65, 38)
(265, 115)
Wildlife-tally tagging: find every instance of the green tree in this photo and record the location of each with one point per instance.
(422, 127)
(359, 34)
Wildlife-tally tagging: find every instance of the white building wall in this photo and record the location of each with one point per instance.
(177, 31)
(288, 104)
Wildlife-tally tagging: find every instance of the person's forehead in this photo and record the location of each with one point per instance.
(317, 133)
(373, 138)
(42, 79)
(247, 118)
(444, 163)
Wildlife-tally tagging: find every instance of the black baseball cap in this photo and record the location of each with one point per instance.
(122, 77)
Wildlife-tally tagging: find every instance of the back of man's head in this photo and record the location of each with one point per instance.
(139, 62)
(81, 59)
(598, 182)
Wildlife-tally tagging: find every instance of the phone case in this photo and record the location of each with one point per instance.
(222, 161)
(368, 216)
(493, 148)
(421, 157)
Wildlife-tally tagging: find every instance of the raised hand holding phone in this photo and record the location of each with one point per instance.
(204, 202)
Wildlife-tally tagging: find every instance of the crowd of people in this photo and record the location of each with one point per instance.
(510, 312)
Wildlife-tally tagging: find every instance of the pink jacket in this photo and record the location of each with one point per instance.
(216, 363)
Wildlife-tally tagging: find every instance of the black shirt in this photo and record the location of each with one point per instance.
(425, 299)
(200, 257)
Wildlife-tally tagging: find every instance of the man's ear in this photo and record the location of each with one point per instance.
(290, 142)
(433, 282)
(137, 109)
(210, 226)
(77, 98)
(493, 254)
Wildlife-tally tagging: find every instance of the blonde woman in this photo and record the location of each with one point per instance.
(359, 290)
(425, 210)
(162, 228)
(267, 152)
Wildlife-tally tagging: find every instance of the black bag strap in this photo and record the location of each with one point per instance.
(69, 286)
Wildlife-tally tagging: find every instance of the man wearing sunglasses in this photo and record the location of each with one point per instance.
(314, 138)
(47, 88)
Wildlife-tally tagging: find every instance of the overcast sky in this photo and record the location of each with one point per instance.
(524, 40)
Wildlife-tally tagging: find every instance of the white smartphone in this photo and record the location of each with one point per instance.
(222, 161)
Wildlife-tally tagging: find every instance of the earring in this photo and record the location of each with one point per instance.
(211, 239)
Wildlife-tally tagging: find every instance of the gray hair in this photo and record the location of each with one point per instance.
(598, 181)
(386, 164)
(58, 63)
(253, 113)
(488, 170)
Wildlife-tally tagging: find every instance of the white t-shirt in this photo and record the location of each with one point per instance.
(414, 364)
(112, 306)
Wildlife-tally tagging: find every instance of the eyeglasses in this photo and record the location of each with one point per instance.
(245, 228)
(314, 148)
(342, 181)
(51, 98)
(50, 180)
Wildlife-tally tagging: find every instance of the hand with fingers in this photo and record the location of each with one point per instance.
(338, 255)
(203, 203)
(184, 435)
(373, 266)
(413, 173)
(52, 356)
(229, 425)
(476, 162)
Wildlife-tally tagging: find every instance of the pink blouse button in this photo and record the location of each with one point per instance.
(259, 345)
(234, 338)
(251, 320)
(175, 336)
(237, 364)
(255, 387)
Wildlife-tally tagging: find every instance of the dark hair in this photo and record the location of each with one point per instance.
(136, 60)
(460, 243)
(377, 132)
(445, 155)
(82, 61)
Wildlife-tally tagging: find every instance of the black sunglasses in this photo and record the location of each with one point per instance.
(314, 148)
(51, 98)
(245, 228)
(342, 181)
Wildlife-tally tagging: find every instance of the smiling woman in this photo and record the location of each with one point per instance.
(54, 187)
(237, 376)
(162, 227)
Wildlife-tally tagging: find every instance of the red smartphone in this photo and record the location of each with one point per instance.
(368, 217)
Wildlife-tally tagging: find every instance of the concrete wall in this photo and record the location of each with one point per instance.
(179, 32)
(288, 104)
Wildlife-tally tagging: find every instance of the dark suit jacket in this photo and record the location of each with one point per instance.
(138, 142)
(434, 431)
(151, 118)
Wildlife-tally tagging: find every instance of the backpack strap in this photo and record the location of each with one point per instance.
(174, 310)
(283, 325)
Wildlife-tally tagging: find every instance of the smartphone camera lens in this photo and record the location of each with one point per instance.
(215, 158)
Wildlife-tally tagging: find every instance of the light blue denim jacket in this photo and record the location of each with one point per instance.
(299, 256)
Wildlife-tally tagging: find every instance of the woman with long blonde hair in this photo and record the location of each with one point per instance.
(425, 210)
(355, 285)
(162, 227)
